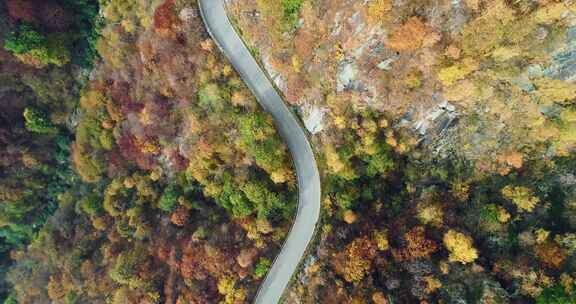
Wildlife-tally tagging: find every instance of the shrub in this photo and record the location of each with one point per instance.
(91, 205)
(71, 298)
(37, 121)
(522, 197)
(232, 294)
(449, 75)
(89, 166)
(381, 239)
(180, 216)
(168, 199)
(262, 267)
(379, 164)
(555, 295)
(430, 214)
(106, 140)
(291, 12)
(36, 49)
(493, 213)
(11, 299)
(210, 97)
(125, 270)
(553, 90)
(24, 39)
(124, 229)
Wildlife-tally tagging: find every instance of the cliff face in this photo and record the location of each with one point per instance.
(408, 58)
(563, 63)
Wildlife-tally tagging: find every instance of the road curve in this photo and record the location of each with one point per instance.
(219, 27)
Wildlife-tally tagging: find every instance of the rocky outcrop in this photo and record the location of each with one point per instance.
(564, 60)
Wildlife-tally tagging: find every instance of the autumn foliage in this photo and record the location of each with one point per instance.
(356, 260)
(165, 18)
(409, 36)
(24, 10)
(416, 245)
(445, 131)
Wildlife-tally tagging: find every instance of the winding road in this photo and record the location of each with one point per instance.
(285, 265)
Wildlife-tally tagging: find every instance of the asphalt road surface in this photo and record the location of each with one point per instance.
(286, 263)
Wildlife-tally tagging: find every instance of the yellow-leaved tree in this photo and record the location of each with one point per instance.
(522, 197)
(460, 246)
(377, 10)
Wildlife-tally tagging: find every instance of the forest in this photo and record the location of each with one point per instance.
(137, 167)
(118, 182)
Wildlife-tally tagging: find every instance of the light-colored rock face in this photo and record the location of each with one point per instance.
(433, 125)
(564, 61)
(347, 77)
(568, 179)
(356, 22)
(386, 65)
(277, 78)
(337, 28)
(313, 120)
(437, 119)
(188, 14)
